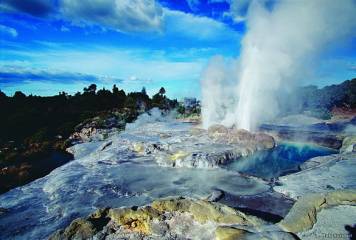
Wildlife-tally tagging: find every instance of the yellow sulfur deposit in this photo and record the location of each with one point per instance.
(179, 155)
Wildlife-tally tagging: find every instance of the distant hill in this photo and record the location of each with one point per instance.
(337, 95)
(320, 102)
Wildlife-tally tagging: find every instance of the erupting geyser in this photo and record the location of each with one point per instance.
(281, 45)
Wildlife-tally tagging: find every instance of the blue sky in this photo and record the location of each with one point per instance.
(47, 46)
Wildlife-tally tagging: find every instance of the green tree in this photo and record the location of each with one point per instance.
(162, 91)
(115, 90)
(143, 91)
(2, 95)
(19, 95)
(90, 89)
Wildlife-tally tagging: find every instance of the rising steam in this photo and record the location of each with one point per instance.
(280, 46)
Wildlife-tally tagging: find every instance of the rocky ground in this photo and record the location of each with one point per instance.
(164, 179)
(196, 147)
(182, 218)
(314, 203)
(177, 218)
(329, 133)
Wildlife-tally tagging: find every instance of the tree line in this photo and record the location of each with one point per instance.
(35, 118)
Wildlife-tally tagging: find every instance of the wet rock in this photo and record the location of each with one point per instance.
(318, 161)
(229, 233)
(199, 148)
(198, 158)
(138, 147)
(280, 235)
(89, 134)
(270, 206)
(3, 211)
(98, 128)
(217, 131)
(195, 131)
(215, 196)
(179, 155)
(335, 170)
(78, 229)
(332, 223)
(293, 133)
(204, 211)
(348, 144)
(164, 219)
(251, 141)
(106, 145)
(135, 219)
(83, 228)
(265, 232)
(240, 135)
(264, 140)
(303, 214)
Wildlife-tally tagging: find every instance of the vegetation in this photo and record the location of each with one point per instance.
(185, 112)
(319, 102)
(32, 127)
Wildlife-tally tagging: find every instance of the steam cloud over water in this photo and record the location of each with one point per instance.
(279, 48)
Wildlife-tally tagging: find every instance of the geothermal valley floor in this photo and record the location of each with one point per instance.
(286, 196)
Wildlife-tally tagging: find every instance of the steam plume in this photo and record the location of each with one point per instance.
(277, 51)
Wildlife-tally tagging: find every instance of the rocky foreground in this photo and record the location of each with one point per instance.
(322, 194)
(170, 219)
(163, 179)
(325, 205)
(182, 218)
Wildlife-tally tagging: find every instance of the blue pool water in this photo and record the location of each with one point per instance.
(283, 159)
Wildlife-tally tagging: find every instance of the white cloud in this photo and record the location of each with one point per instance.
(196, 27)
(38, 8)
(64, 29)
(138, 67)
(19, 74)
(132, 16)
(239, 7)
(193, 4)
(121, 15)
(8, 31)
(238, 10)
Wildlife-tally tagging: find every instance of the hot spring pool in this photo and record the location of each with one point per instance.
(284, 158)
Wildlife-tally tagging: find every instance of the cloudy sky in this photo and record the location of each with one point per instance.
(47, 46)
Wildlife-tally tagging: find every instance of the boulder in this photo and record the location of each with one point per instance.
(303, 214)
(135, 219)
(321, 174)
(348, 144)
(215, 196)
(217, 131)
(78, 229)
(179, 155)
(161, 219)
(264, 140)
(203, 211)
(138, 148)
(199, 158)
(229, 233)
(83, 228)
(240, 136)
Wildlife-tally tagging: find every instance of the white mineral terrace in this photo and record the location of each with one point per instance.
(154, 158)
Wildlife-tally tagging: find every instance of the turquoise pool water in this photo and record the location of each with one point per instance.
(283, 159)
